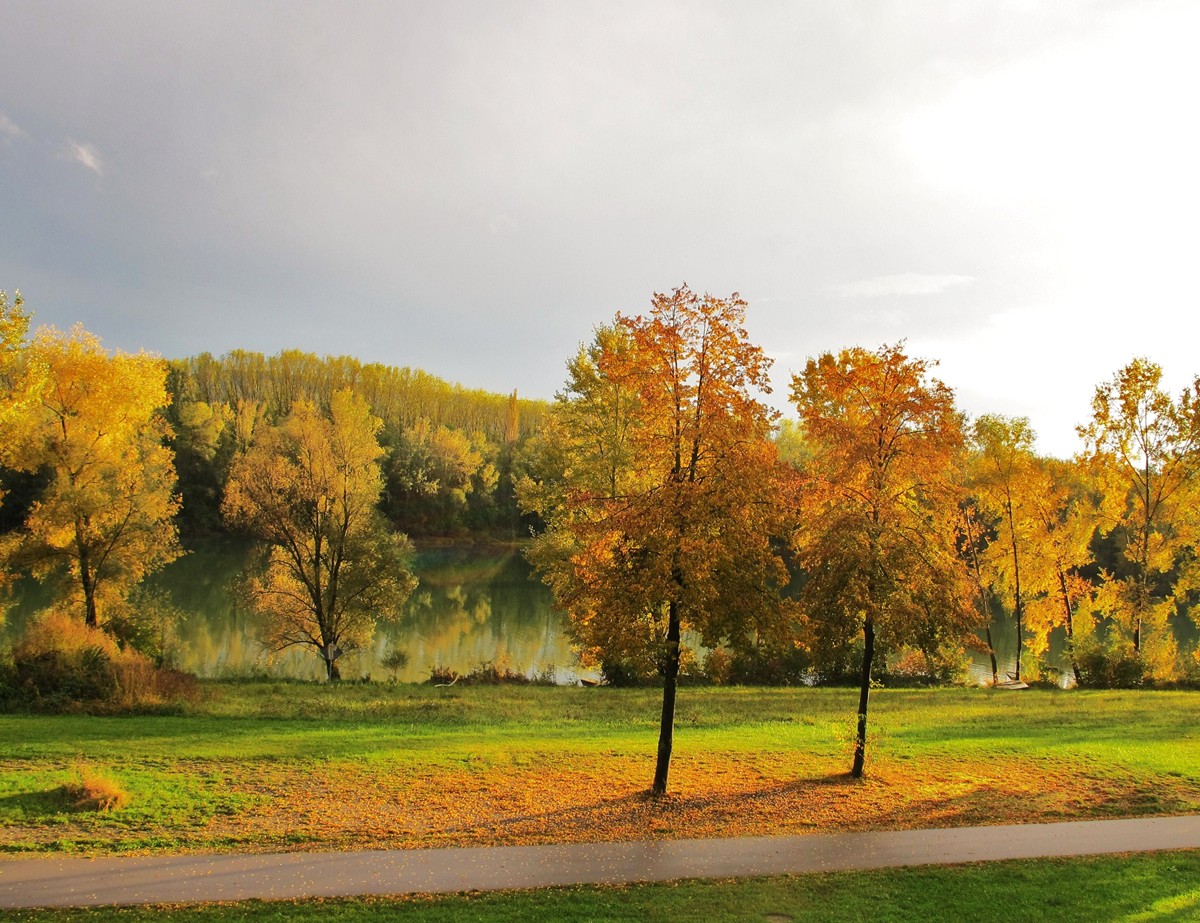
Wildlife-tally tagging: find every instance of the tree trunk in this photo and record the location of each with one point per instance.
(1066, 598)
(1018, 603)
(666, 729)
(330, 654)
(864, 692)
(987, 627)
(88, 579)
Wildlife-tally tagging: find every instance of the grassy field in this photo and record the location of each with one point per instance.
(1160, 888)
(264, 766)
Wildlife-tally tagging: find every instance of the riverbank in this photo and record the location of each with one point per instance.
(271, 765)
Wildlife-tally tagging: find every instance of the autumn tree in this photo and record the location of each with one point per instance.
(1006, 477)
(1065, 514)
(1145, 450)
(661, 518)
(432, 474)
(308, 488)
(976, 530)
(878, 507)
(92, 421)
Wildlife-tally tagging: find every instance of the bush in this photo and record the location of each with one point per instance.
(92, 790)
(395, 660)
(1104, 668)
(60, 664)
(489, 674)
(147, 624)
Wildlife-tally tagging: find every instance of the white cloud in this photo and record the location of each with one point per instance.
(86, 155)
(908, 283)
(9, 128)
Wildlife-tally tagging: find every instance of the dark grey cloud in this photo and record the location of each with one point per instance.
(471, 187)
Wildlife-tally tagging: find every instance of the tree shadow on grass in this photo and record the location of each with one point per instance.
(833, 802)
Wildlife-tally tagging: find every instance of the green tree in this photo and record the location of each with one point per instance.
(308, 488)
(662, 518)
(93, 421)
(879, 504)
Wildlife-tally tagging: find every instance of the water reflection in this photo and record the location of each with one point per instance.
(471, 607)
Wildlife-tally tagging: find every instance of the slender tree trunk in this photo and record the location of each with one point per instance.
(87, 579)
(1018, 606)
(987, 627)
(1066, 598)
(864, 692)
(666, 729)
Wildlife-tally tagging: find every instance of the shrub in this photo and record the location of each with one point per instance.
(147, 624)
(489, 674)
(395, 660)
(92, 790)
(60, 664)
(1111, 668)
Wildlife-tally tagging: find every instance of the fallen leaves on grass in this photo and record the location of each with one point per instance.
(327, 804)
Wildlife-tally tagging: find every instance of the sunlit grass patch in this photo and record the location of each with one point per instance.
(323, 766)
(1146, 888)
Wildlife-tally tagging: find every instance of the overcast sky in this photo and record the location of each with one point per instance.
(471, 187)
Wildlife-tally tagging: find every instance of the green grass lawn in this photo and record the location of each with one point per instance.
(1158, 888)
(293, 765)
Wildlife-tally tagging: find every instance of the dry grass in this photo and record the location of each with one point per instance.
(94, 790)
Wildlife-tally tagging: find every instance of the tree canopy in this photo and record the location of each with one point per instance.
(877, 506)
(92, 421)
(308, 488)
(661, 517)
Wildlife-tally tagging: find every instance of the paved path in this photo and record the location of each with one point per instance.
(65, 882)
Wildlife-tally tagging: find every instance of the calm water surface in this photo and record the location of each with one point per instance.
(472, 606)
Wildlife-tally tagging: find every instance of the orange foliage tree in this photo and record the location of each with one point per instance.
(878, 508)
(308, 488)
(93, 421)
(659, 491)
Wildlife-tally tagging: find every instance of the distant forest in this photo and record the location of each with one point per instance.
(452, 452)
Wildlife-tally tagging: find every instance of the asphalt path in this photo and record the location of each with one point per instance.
(68, 882)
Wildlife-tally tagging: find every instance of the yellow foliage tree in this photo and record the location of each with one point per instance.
(1006, 480)
(308, 488)
(1065, 515)
(1144, 449)
(93, 421)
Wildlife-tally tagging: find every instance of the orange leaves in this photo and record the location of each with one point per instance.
(661, 485)
(877, 537)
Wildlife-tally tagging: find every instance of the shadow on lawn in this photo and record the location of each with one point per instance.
(822, 803)
(38, 806)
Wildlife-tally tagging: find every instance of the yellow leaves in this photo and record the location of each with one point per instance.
(94, 420)
(308, 488)
(878, 499)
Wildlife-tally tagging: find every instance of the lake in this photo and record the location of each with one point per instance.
(472, 606)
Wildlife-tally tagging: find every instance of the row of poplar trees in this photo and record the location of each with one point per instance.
(889, 524)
